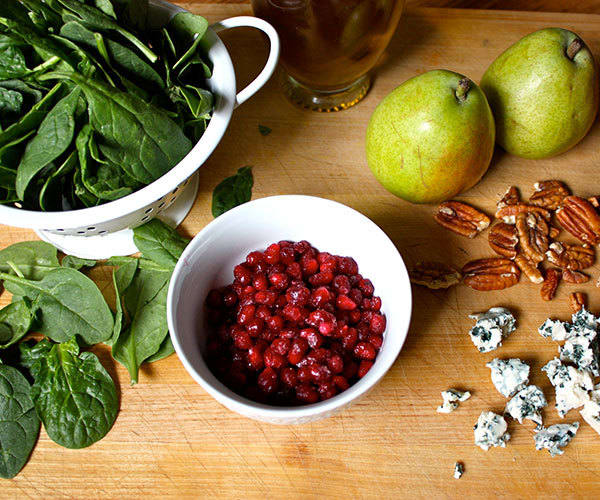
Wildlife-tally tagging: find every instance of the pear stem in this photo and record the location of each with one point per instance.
(464, 85)
(574, 47)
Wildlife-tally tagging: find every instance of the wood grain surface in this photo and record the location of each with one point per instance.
(172, 439)
(584, 6)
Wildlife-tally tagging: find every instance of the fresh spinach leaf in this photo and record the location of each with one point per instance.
(12, 63)
(122, 278)
(74, 396)
(233, 191)
(159, 242)
(188, 29)
(15, 322)
(264, 130)
(19, 424)
(34, 259)
(76, 262)
(164, 351)
(69, 304)
(51, 195)
(52, 139)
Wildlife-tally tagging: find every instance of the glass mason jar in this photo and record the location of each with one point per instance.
(328, 47)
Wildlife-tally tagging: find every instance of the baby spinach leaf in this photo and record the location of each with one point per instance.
(11, 103)
(76, 262)
(19, 424)
(15, 322)
(134, 134)
(159, 242)
(264, 130)
(52, 139)
(34, 259)
(122, 278)
(12, 63)
(70, 304)
(188, 29)
(233, 191)
(164, 351)
(74, 396)
(32, 119)
(96, 19)
(146, 302)
(51, 193)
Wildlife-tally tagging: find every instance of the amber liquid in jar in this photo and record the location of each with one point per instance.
(327, 45)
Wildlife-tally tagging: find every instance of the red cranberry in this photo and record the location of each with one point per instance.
(275, 323)
(364, 367)
(378, 324)
(268, 335)
(329, 265)
(297, 350)
(286, 255)
(321, 278)
(272, 254)
(341, 284)
(347, 265)
(274, 359)
(366, 287)
(327, 328)
(263, 312)
(294, 270)
(242, 340)
(288, 333)
(265, 297)
(242, 275)
(279, 280)
(356, 296)
(320, 297)
(365, 350)
(246, 314)
(255, 326)
(319, 316)
(260, 282)
(320, 373)
(336, 363)
(312, 337)
(292, 313)
(309, 266)
(354, 317)
(268, 380)
(255, 357)
(340, 382)
(302, 247)
(254, 258)
(303, 374)
(281, 346)
(306, 393)
(327, 390)
(349, 338)
(376, 341)
(289, 377)
(230, 299)
(298, 295)
(345, 303)
(248, 292)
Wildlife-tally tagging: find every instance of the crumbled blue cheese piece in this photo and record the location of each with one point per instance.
(555, 437)
(584, 321)
(571, 385)
(490, 430)
(509, 375)
(459, 470)
(555, 329)
(451, 398)
(491, 328)
(527, 403)
(583, 351)
(591, 409)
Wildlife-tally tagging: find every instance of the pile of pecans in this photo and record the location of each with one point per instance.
(524, 236)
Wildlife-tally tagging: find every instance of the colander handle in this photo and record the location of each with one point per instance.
(267, 71)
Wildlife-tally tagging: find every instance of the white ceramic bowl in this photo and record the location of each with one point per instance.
(208, 262)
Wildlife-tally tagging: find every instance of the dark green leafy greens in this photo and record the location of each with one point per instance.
(15, 321)
(19, 424)
(233, 191)
(93, 104)
(74, 396)
(76, 262)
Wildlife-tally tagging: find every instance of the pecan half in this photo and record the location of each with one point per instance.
(577, 300)
(493, 273)
(461, 218)
(549, 194)
(434, 275)
(509, 213)
(511, 197)
(574, 257)
(503, 239)
(529, 269)
(533, 235)
(550, 285)
(576, 277)
(579, 217)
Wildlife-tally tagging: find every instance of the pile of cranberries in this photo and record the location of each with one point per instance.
(296, 326)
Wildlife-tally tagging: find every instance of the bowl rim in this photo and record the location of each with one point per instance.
(222, 112)
(247, 407)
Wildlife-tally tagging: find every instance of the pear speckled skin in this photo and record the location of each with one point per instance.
(424, 144)
(544, 103)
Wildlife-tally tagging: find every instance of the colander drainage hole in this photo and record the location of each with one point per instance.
(161, 205)
(148, 210)
(103, 232)
(145, 218)
(80, 232)
(91, 228)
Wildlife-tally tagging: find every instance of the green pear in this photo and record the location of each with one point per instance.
(543, 92)
(431, 138)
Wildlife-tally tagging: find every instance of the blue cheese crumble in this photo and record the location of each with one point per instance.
(509, 375)
(459, 470)
(571, 385)
(591, 409)
(451, 398)
(555, 329)
(555, 437)
(491, 328)
(526, 404)
(490, 430)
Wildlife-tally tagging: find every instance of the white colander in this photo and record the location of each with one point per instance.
(103, 231)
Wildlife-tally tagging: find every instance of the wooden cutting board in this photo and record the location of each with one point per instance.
(171, 438)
